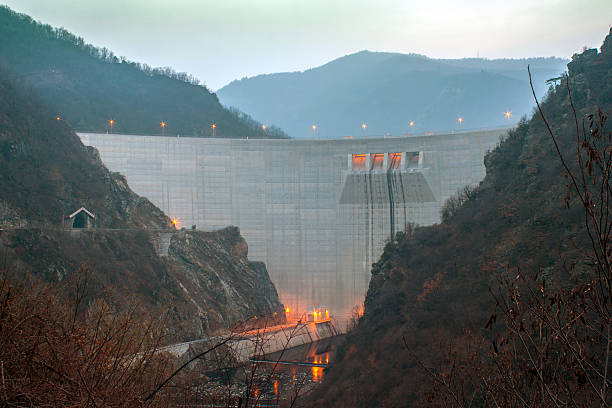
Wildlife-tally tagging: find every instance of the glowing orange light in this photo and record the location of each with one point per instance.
(507, 114)
(275, 387)
(460, 120)
(326, 314)
(314, 127)
(263, 127)
(316, 373)
(287, 310)
(359, 162)
(214, 126)
(174, 221)
(58, 118)
(363, 126)
(111, 122)
(411, 123)
(163, 124)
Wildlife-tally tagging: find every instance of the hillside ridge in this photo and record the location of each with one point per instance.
(388, 91)
(88, 86)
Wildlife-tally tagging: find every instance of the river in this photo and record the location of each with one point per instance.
(274, 380)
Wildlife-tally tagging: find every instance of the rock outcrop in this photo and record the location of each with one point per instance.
(200, 284)
(215, 271)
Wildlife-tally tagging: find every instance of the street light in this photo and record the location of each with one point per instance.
(314, 131)
(460, 120)
(163, 126)
(507, 114)
(214, 128)
(411, 123)
(364, 126)
(111, 123)
(58, 118)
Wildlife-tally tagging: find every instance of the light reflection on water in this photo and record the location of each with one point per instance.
(317, 372)
(272, 384)
(290, 376)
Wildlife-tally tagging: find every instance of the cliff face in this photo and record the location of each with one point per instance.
(203, 280)
(214, 272)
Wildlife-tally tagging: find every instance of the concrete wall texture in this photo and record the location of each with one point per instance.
(317, 212)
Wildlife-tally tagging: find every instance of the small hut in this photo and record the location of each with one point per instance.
(81, 218)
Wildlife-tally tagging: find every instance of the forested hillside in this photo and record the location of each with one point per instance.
(205, 281)
(88, 86)
(47, 172)
(388, 91)
(505, 302)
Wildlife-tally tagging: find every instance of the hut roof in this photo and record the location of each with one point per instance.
(82, 209)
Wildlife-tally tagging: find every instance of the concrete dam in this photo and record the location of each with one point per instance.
(317, 212)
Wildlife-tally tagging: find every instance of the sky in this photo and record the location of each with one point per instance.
(218, 41)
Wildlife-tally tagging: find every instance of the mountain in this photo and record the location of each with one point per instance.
(434, 289)
(387, 91)
(204, 280)
(88, 86)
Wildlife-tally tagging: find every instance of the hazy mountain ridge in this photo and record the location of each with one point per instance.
(88, 86)
(388, 90)
(432, 285)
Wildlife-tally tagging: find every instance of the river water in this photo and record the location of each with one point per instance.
(274, 380)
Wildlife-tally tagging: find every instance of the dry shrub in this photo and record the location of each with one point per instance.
(57, 351)
(456, 201)
(549, 341)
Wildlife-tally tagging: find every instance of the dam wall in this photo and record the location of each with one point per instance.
(317, 212)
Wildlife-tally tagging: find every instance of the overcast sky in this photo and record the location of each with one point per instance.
(221, 40)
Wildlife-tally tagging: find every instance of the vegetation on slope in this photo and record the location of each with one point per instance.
(57, 351)
(430, 297)
(88, 86)
(387, 91)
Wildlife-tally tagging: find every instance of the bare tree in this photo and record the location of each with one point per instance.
(55, 350)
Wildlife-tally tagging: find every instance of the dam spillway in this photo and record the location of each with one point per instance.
(317, 212)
